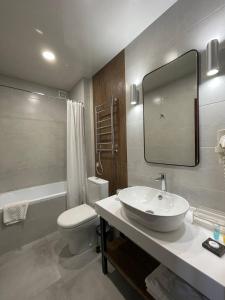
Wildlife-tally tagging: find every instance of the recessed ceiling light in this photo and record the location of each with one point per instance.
(48, 55)
(39, 31)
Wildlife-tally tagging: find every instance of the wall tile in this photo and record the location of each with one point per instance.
(28, 85)
(27, 177)
(22, 105)
(164, 40)
(214, 199)
(187, 25)
(33, 140)
(212, 118)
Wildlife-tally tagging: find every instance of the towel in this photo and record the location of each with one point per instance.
(163, 284)
(15, 212)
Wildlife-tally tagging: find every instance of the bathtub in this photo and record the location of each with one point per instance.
(46, 202)
(34, 194)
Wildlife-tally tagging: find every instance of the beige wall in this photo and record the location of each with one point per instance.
(32, 136)
(77, 92)
(199, 21)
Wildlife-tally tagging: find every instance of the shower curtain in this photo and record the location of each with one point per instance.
(76, 161)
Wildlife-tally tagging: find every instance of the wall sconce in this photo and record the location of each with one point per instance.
(212, 55)
(134, 95)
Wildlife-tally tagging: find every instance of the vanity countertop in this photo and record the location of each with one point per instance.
(181, 250)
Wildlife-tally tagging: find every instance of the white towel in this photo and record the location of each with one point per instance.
(163, 284)
(15, 212)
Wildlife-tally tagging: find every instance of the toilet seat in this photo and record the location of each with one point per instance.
(76, 216)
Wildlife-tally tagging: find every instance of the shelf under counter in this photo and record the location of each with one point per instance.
(132, 263)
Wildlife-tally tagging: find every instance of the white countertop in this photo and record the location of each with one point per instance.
(181, 251)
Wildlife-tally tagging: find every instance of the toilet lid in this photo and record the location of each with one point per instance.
(75, 216)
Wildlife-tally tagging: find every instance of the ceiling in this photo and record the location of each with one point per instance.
(83, 34)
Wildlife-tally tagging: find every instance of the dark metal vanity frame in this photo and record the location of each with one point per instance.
(132, 262)
(103, 224)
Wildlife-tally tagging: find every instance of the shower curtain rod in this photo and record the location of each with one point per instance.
(35, 93)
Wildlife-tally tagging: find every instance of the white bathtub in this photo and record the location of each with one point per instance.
(46, 203)
(34, 194)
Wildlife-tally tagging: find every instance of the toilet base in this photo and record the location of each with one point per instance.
(81, 238)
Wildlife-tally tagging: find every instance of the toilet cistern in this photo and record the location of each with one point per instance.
(162, 178)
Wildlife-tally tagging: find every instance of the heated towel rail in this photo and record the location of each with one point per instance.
(105, 130)
(104, 127)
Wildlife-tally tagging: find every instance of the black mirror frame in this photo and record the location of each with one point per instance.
(196, 112)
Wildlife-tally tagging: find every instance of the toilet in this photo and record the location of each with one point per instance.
(78, 224)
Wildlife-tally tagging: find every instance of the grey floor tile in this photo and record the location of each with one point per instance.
(27, 274)
(44, 270)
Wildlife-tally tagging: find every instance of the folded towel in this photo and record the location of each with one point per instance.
(163, 284)
(15, 212)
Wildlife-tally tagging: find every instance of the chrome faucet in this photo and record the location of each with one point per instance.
(162, 178)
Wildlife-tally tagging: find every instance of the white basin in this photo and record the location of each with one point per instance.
(159, 211)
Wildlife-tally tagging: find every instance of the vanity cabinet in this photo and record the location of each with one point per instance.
(180, 251)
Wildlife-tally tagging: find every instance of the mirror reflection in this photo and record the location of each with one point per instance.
(171, 112)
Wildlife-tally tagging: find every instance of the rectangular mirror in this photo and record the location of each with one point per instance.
(170, 98)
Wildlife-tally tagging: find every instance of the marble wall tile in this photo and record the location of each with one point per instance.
(21, 105)
(212, 118)
(28, 85)
(199, 21)
(33, 139)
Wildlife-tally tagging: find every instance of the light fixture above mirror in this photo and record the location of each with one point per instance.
(134, 94)
(212, 56)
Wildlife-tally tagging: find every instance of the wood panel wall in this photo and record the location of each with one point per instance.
(107, 83)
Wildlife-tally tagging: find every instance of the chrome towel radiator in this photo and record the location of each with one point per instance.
(105, 130)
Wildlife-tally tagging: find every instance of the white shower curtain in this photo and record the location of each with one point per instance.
(76, 161)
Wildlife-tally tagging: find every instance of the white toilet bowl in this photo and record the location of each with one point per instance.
(78, 227)
(78, 224)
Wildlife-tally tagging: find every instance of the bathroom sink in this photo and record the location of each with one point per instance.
(157, 210)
